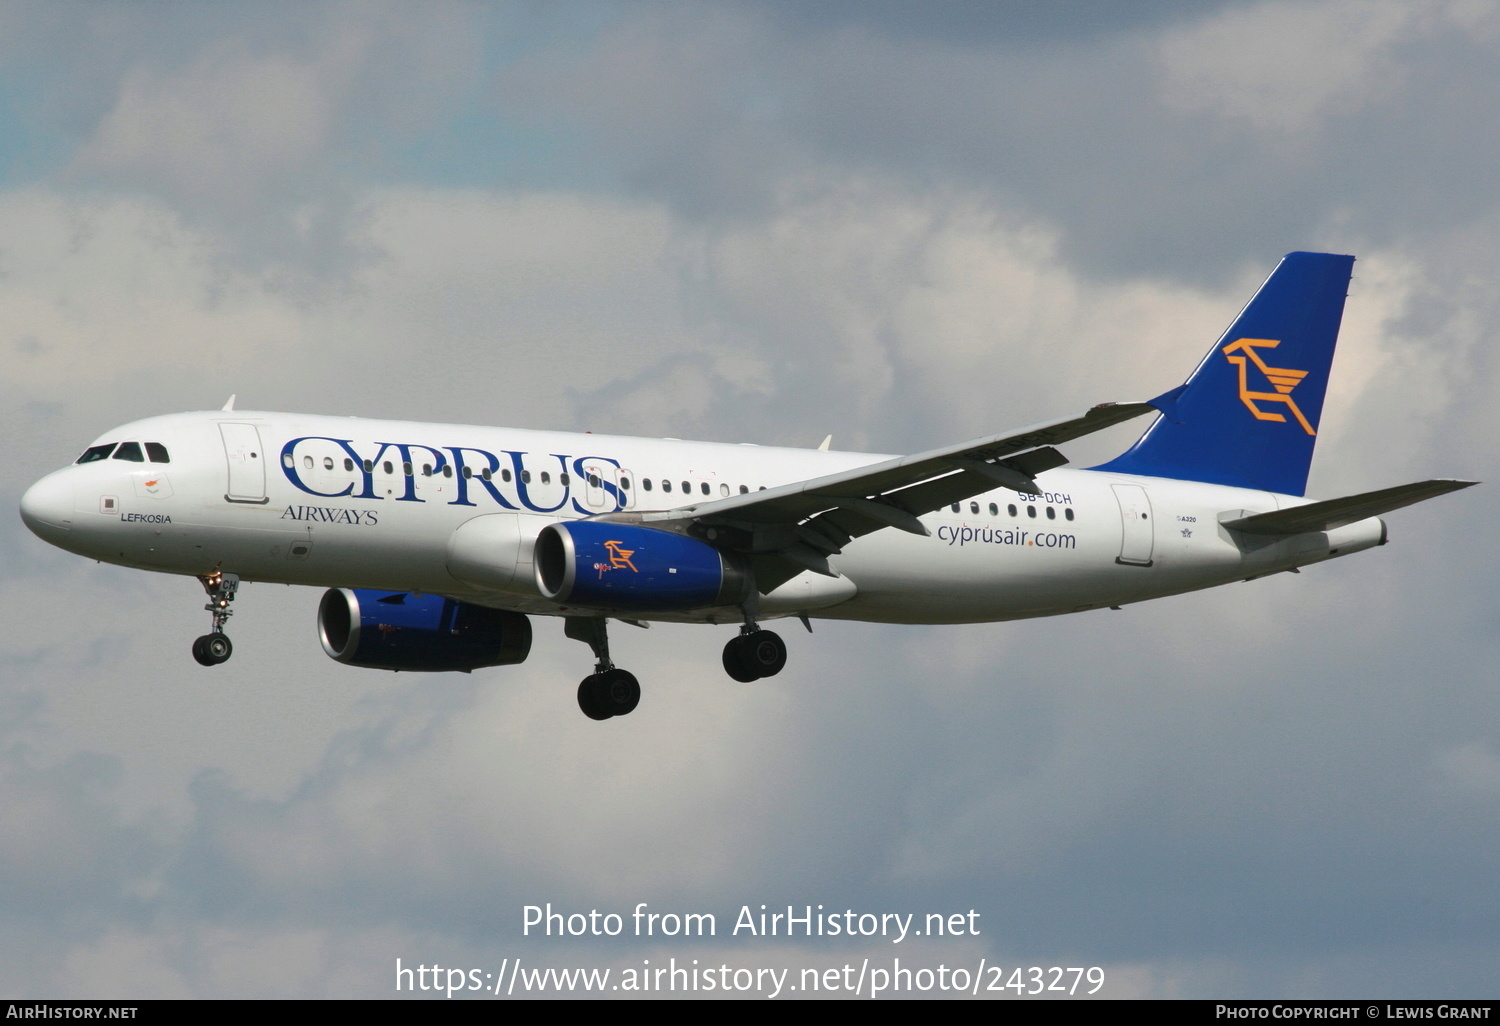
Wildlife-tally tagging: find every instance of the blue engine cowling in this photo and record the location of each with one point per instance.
(387, 630)
(619, 566)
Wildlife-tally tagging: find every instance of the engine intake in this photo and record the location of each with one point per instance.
(619, 566)
(400, 630)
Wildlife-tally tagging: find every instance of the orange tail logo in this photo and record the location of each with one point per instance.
(1284, 380)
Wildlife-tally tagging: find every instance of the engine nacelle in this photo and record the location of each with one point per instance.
(619, 566)
(387, 630)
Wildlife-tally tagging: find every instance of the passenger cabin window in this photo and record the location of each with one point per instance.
(369, 466)
(130, 451)
(666, 485)
(348, 463)
(157, 453)
(96, 453)
(624, 484)
(562, 479)
(744, 489)
(546, 478)
(687, 487)
(447, 470)
(646, 484)
(1068, 512)
(327, 462)
(704, 486)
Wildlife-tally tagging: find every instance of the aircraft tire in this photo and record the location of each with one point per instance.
(765, 653)
(591, 698)
(619, 692)
(737, 660)
(217, 647)
(212, 649)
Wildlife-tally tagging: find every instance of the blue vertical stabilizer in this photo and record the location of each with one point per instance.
(1248, 416)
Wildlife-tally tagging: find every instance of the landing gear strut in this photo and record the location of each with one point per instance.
(214, 648)
(608, 691)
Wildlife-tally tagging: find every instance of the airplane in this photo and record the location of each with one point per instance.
(438, 542)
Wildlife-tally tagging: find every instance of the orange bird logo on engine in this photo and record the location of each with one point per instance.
(620, 558)
(1283, 379)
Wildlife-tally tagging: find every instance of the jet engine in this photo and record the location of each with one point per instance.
(404, 631)
(620, 566)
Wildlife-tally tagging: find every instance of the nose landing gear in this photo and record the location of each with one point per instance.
(214, 648)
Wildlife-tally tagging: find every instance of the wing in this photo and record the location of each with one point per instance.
(793, 527)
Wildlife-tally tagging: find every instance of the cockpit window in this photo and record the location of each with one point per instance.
(97, 452)
(130, 451)
(157, 452)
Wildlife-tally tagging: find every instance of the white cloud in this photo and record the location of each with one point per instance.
(1286, 66)
(228, 116)
(249, 122)
(119, 301)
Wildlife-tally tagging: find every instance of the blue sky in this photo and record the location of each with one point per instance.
(752, 222)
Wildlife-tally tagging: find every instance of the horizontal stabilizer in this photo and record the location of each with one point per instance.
(1334, 513)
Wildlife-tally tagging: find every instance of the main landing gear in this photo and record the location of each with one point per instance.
(214, 648)
(608, 691)
(611, 691)
(754, 654)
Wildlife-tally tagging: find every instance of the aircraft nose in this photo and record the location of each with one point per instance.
(47, 507)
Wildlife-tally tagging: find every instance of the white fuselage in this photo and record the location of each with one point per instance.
(455, 510)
